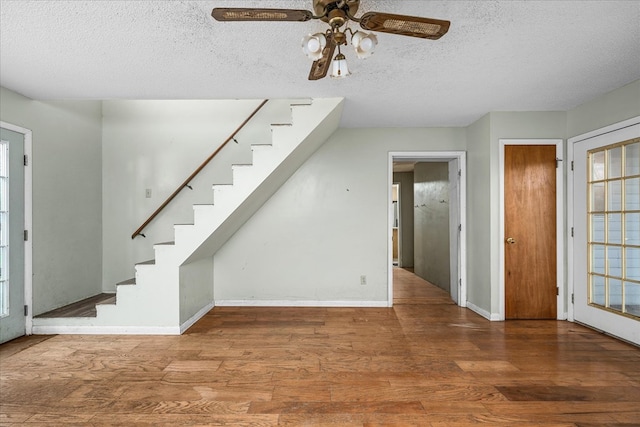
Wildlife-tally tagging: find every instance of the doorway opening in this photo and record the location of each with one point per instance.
(429, 216)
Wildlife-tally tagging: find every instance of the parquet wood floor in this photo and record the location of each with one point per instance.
(425, 362)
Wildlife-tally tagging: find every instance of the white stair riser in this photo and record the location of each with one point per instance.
(203, 212)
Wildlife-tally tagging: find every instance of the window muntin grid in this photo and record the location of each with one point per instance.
(614, 228)
(4, 229)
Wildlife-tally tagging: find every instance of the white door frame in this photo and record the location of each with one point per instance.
(430, 156)
(562, 289)
(28, 221)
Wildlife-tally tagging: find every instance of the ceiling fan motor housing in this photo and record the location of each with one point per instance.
(339, 6)
(337, 18)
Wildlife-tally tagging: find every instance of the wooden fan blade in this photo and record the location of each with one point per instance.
(412, 26)
(320, 68)
(246, 14)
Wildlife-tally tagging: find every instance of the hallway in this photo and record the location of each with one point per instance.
(411, 289)
(424, 362)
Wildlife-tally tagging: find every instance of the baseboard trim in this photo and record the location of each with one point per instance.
(199, 315)
(482, 312)
(104, 330)
(297, 303)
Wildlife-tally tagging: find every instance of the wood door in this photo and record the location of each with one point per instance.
(395, 243)
(530, 232)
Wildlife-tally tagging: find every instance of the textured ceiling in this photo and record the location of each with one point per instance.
(497, 56)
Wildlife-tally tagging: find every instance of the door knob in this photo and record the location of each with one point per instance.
(511, 240)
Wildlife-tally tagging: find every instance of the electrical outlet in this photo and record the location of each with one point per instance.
(147, 193)
(363, 280)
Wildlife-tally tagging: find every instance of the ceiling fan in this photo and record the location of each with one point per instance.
(337, 13)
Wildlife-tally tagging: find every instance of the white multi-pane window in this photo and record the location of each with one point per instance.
(614, 227)
(4, 228)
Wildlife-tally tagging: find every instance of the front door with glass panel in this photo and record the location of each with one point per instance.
(12, 319)
(607, 232)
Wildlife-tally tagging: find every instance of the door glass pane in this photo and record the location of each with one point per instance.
(632, 229)
(614, 221)
(597, 291)
(615, 294)
(632, 266)
(597, 259)
(632, 298)
(632, 156)
(615, 162)
(597, 228)
(597, 197)
(614, 228)
(597, 166)
(614, 195)
(632, 194)
(614, 261)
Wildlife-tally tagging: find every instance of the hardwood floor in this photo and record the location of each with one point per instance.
(425, 362)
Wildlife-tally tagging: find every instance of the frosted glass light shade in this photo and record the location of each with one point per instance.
(339, 67)
(364, 44)
(313, 45)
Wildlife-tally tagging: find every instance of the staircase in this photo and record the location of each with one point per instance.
(172, 291)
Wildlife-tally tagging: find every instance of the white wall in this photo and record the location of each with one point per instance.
(156, 145)
(326, 226)
(196, 287)
(613, 107)
(405, 179)
(479, 259)
(67, 238)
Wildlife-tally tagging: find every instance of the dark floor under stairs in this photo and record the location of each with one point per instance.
(84, 308)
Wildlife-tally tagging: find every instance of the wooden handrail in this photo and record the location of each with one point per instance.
(186, 182)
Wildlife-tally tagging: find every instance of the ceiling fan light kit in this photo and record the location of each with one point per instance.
(313, 45)
(339, 67)
(320, 47)
(364, 44)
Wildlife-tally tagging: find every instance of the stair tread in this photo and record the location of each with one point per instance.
(131, 281)
(165, 244)
(83, 308)
(150, 262)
